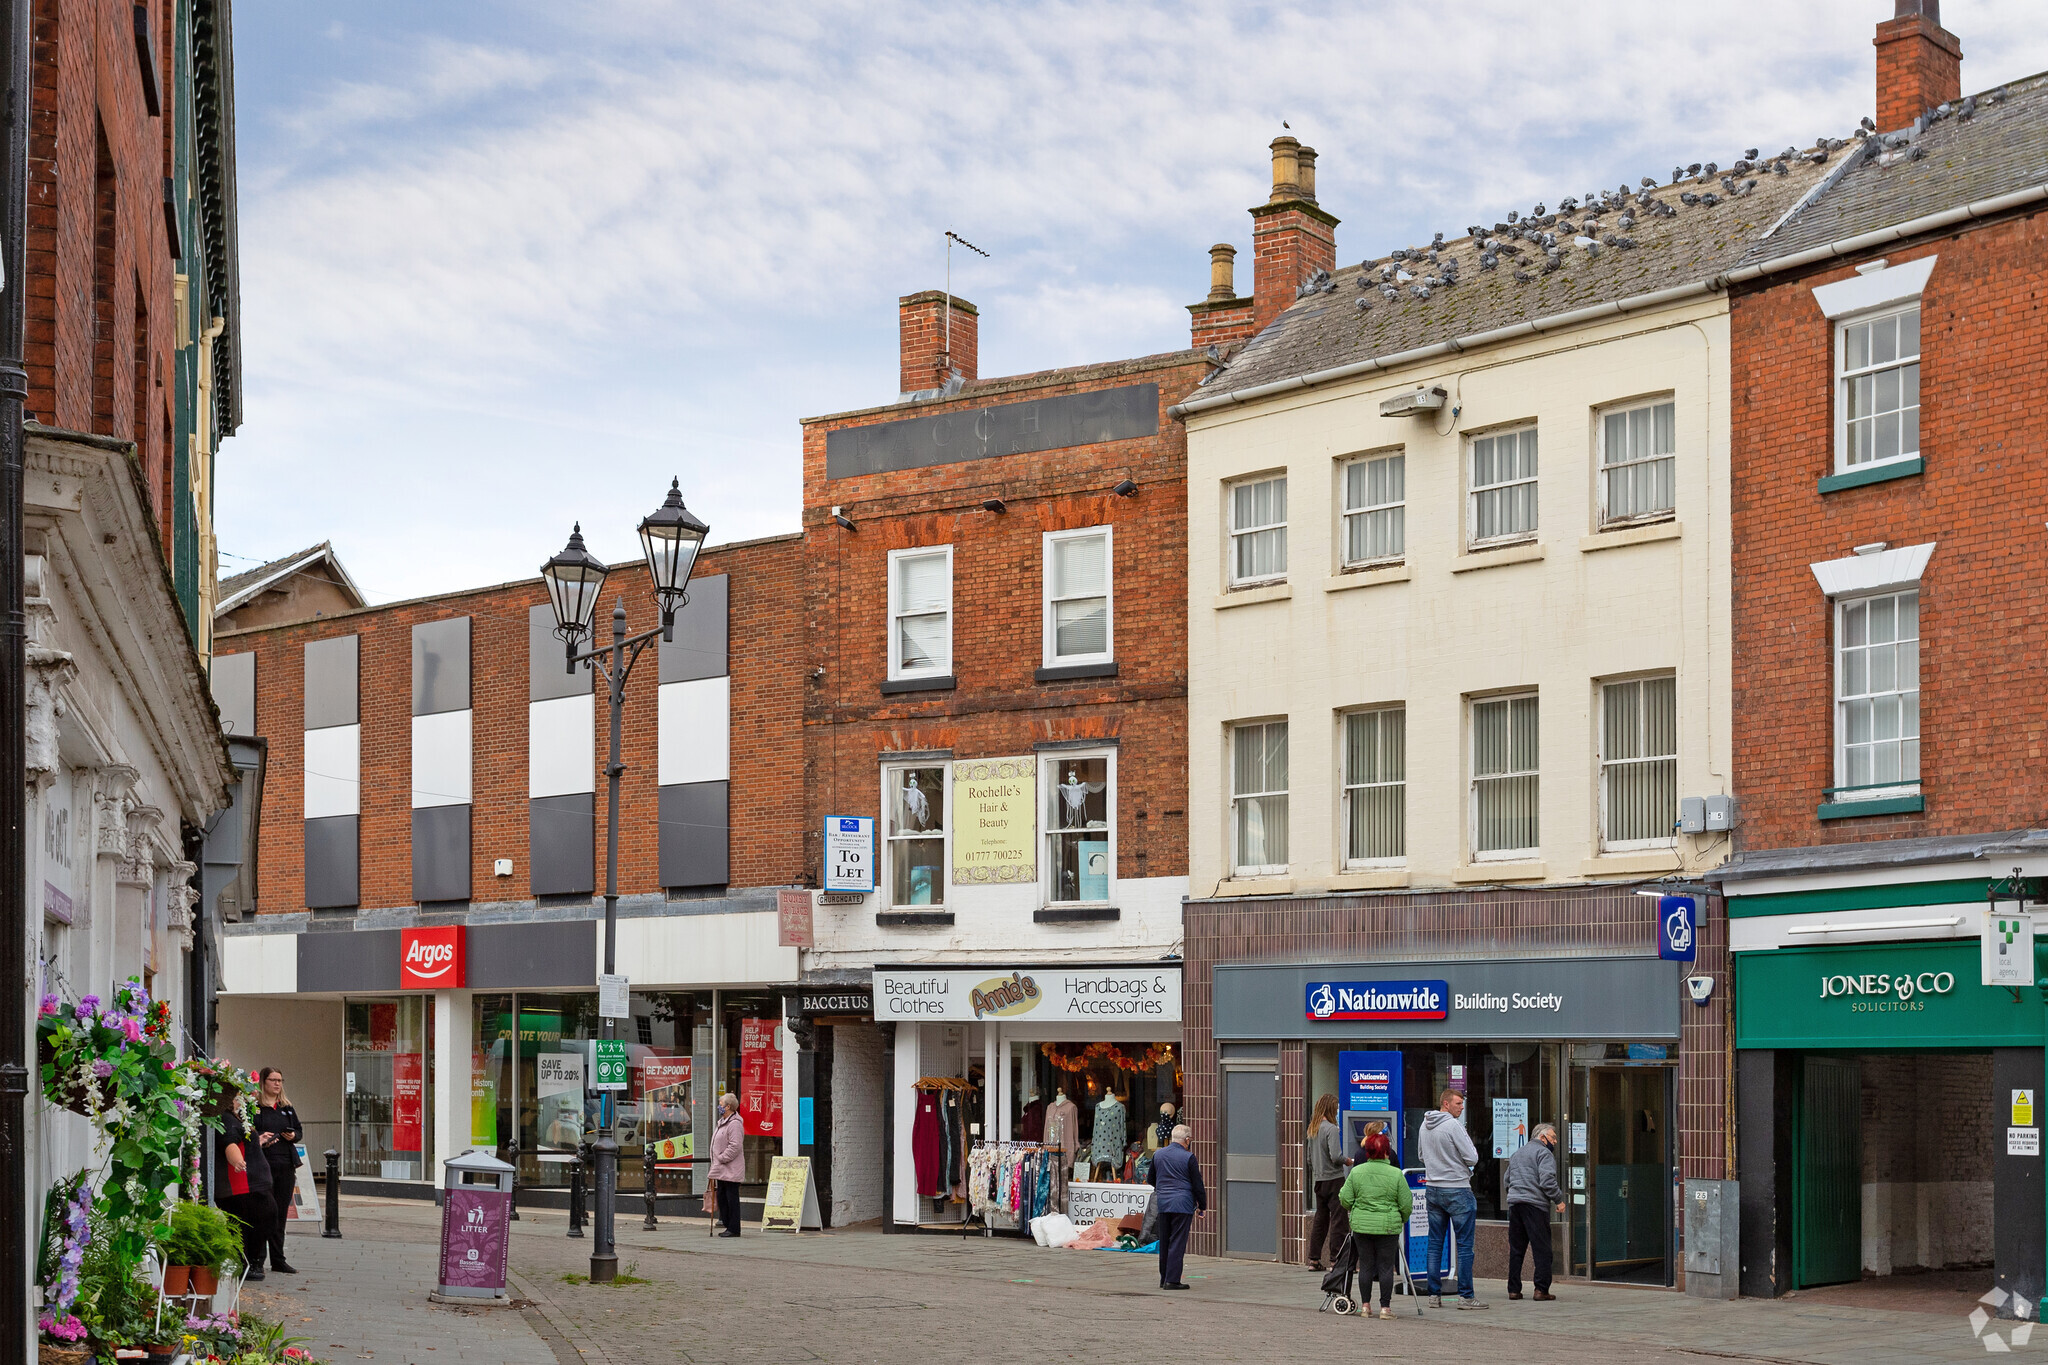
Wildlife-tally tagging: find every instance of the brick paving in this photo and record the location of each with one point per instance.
(856, 1296)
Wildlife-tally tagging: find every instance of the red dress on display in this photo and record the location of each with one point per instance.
(924, 1144)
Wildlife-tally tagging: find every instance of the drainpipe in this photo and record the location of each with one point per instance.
(15, 1324)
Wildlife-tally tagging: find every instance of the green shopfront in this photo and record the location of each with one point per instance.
(1888, 1108)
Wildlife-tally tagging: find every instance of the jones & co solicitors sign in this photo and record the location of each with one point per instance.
(1037, 994)
(1878, 992)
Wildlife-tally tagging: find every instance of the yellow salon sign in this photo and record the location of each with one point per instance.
(791, 1205)
(995, 820)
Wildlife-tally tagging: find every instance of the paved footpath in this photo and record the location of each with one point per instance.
(857, 1296)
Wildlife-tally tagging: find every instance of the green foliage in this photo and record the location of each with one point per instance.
(201, 1235)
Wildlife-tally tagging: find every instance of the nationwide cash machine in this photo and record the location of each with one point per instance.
(1369, 1090)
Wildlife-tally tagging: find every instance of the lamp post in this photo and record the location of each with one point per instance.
(670, 537)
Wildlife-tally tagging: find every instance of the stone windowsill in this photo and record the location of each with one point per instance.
(1522, 552)
(1629, 535)
(1245, 597)
(1370, 879)
(1499, 872)
(1368, 578)
(1631, 864)
(1255, 886)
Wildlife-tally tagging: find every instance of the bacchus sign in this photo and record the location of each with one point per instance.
(1878, 995)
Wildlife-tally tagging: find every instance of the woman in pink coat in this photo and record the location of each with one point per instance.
(728, 1164)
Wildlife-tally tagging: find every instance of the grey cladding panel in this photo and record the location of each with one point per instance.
(349, 960)
(561, 844)
(550, 953)
(694, 835)
(699, 649)
(440, 666)
(331, 863)
(440, 853)
(234, 692)
(546, 678)
(1074, 419)
(331, 682)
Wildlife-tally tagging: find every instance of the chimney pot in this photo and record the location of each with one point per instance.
(1306, 160)
(1222, 272)
(1286, 169)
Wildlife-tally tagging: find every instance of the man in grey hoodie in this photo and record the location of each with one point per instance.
(1448, 1157)
(1532, 1192)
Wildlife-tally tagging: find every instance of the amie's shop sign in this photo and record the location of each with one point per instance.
(1878, 995)
(1033, 994)
(995, 820)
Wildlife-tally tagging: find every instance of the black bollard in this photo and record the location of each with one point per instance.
(576, 1199)
(512, 1153)
(648, 1173)
(333, 1222)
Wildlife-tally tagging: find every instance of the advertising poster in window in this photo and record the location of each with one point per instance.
(383, 1027)
(995, 820)
(760, 1078)
(665, 1106)
(483, 1101)
(558, 1085)
(408, 1101)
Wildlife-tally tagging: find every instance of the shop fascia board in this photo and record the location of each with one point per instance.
(1977, 869)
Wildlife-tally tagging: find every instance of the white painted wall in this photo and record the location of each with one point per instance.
(702, 950)
(1439, 629)
(994, 924)
(859, 1086)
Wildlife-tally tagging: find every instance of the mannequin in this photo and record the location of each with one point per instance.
(1063, 1124)
(1106, 1143)
(1160, 1133)
(1031, 1123)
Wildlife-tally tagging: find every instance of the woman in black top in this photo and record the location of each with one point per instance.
(240, 1162)
(278, 1128)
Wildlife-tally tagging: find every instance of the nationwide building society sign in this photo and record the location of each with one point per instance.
(1378, 1000)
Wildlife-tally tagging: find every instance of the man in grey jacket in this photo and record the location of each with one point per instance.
(1448, 1157)
(1532, 1192)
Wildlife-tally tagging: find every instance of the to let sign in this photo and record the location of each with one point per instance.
(850, 853)
(430, 959)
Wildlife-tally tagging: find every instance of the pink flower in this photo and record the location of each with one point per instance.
(133, 1028)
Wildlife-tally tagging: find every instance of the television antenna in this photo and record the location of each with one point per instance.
(952, 237)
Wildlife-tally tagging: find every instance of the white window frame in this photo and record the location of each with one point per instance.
(1875, 791)
(1473, 778)
(1601, 468)
(1345, 512)
(1346, 787)
(896, 669)
(1606, 764)
(1844, 376)
(1473, 488)
(1048, 627)
(1238, 869)
(1232, 531)
(1048, 777)
(886, 885)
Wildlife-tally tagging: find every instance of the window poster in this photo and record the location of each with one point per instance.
(383, 1027)
(1510, 1126)
(558, 1085)
(408, 1101)
(483, 1101)
(760, 1078)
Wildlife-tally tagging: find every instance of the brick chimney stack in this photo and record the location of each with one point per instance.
(1291, 237)
(925, 359)
(1919, 64)
(1223, 319)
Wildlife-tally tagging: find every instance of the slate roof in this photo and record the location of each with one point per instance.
(2000, 147)
(1695, 242)
(1991, 849)
(236, 589)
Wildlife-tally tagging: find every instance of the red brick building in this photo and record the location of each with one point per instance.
(994, 588)
(1890, 348)
(433, 766)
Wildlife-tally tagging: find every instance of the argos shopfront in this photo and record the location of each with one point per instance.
(1889, 1116)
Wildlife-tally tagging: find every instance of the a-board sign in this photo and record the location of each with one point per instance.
(791, 1204)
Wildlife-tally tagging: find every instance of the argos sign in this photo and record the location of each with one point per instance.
(430, 959)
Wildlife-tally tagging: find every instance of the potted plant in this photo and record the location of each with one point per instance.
(198, 1244)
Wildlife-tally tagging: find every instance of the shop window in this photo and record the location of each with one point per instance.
(1258, 531)
(1100, 1102)
(1080, 826)
(388, 1088)
(1638, 463)
(1077, 597)
(1504, 781)
(1375, 787)
(1258, 802)
(1638, 763)
(1877, 692)
(921, 612)
(1375, 510)
(1503, 488)
(751, 1047)
(915, 845)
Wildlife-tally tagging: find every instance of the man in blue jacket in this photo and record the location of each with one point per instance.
(1181, 1197)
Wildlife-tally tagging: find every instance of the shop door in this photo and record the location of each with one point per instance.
(1827, 1229)
(1628, 1172)
(1251, 1161)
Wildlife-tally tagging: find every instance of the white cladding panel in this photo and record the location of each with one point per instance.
(334, 783)
(696, 731)
(440, 759)
(561, 746)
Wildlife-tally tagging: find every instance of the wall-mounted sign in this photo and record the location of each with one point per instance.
(793, 925)
(1118, 414)
(430, 959)
(828, 1001)
(1378, 999)
(2008, 948)
(1677, 928)
(1878, 995)
(995, 820)
(1036, 994)
(850, 853)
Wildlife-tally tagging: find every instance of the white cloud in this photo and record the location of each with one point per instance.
(668, 231)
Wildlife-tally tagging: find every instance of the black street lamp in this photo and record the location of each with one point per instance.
(671, 538)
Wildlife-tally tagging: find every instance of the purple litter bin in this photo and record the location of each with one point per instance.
(476, 1210)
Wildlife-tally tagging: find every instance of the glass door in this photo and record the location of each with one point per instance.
(1618, 1167)
(388, 1088)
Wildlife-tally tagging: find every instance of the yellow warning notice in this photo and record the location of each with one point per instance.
(2022, 1108)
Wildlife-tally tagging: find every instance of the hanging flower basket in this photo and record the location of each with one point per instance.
(61, 1089)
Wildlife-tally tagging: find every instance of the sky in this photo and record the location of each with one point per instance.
(512, 265)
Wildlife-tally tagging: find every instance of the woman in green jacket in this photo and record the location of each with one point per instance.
(1378, 1199)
